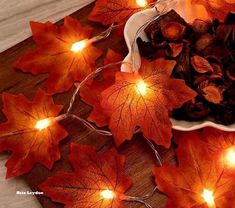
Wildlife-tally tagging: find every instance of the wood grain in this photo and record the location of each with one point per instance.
(15, 16)
(140, 159)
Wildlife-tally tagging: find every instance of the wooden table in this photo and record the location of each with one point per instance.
(15, 16)
(140, 158)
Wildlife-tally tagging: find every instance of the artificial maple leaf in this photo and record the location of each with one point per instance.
(90, 92)
(144, 99)
(217, 8)
(198, 173)
(28, 144)
(93, 175)
(218, 142)
(116, 11)
(56, 57)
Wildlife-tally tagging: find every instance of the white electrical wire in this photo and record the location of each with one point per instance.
(166, 6)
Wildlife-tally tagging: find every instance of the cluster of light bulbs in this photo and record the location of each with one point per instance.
(141, 88)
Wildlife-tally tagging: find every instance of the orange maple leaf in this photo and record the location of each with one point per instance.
(144, 99)
(57, 54)
(221, 144)
(94, 178)
(200, 180)
(217, 9)
(28, 144)
(116, 11)
(91, 91)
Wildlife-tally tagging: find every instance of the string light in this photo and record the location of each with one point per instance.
(43, 124)
(208, 198)
(79, 46)
(229, 157)
(141, 87)
(107, 194)
(142, 3)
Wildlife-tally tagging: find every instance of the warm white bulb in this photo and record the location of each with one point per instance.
(79, 46)
(230, 157)
(107, 194)
(141, 87)
(208, 198)
(42, 124)
(142, 3)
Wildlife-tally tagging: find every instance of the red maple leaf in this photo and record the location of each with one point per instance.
(221, 144)
(217, 9)
(91, 91)
(144, 99)
(95, 176)
(56, 54)
(200, 180)
(116, 11)
(28, 144)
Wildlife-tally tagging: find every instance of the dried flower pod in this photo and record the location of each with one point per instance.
(196, 110)
(203, 42)
(217, 71)
(146, 48)
(213, 94)
(160, 53)
(230, 96)
(173, 31)
(225, 115)
(156, 38)
(215, 25)
(217, 67)
(174, 49)
(230, 72)
(182, 69)
(230, 39)
(222, 31)
(160, 45)
(208, 86)
(198, 79)
(230, 19)
(213, 59)
(218, 50)
(200, 64)
(155, 27)
(201, 26)
(205, 56)
(203, 84)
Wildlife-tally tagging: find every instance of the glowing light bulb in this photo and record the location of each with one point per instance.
(107, 194)
(230, 156)
(209, 198)
(142, 3)
(78, 46)
(42, 124)
(141, 87)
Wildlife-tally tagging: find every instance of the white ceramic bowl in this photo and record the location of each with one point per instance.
(132, 26)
